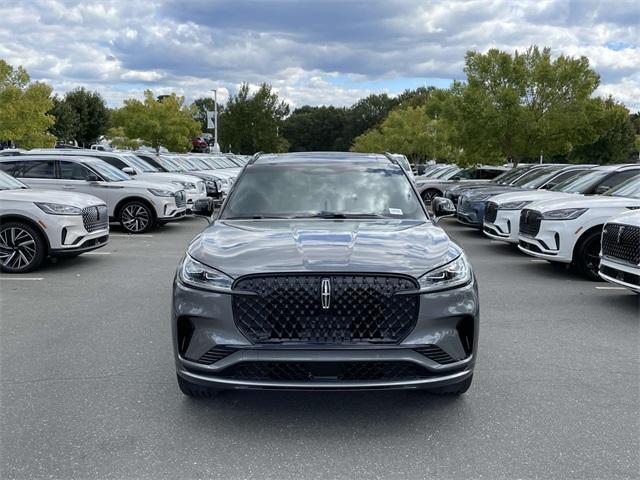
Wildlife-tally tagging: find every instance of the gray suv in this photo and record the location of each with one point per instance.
(324, 271)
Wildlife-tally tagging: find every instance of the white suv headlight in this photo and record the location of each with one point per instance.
(514, 205)
(58, 209)
(200, 276)
(162, 193)
(564, 214)
(451, 275)
(187, 185)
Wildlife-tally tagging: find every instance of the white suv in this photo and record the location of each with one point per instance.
(137, 205)
(620, 254)
(568, 230)
(35, 224)
(138, 169)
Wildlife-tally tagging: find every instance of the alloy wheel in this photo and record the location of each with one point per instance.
(17, 248)
(135, 217)
(592, 256)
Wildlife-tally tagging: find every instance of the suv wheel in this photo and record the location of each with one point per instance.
(194, 390)
(428, 195)
(587, 257)
(22, 249)
(136, 217)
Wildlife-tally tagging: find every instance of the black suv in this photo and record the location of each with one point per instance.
(324, 271)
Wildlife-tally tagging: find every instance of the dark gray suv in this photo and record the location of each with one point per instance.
(324, 271)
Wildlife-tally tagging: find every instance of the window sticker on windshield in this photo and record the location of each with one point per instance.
(395, 211)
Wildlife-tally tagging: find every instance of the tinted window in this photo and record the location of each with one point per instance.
(115, 162)
(630, 188)
(34, 169)
(321, 189)
(618, 177)
(487, 174)
(73, 171)
(564, 176)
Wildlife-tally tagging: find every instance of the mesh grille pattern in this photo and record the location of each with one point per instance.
(362, 309)
(464, 206)
(491, 213)
(530, 222)
(95, 218)
(181, 200)
(324, 371)
(436, 354)
(621, 242)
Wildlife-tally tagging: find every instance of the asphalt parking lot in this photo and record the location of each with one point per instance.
(89, 390)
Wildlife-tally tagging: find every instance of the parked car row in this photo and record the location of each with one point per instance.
(59, 202)
(584, 216)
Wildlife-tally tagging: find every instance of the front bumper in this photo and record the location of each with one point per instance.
(554, 241)
(505, 227)
(210, 319)
(89, 243)
(192, 196)
(622, 274)
(470, 213)
(168, 211)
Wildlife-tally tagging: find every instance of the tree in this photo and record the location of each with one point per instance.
(24, 107)
(363, 115)
(523, 105)
(251, 122)
(201, 106)
(91, 115)
(66, 123)
(168, 122)
(314, 128)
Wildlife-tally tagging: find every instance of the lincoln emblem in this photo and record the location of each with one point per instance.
(325, 293)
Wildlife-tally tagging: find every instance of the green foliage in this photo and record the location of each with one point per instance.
(119, 139)
(23, 108)
(314, 128)
(166, 122)
(66, 123)
(200, 107)
(251, 122)
(90, 116)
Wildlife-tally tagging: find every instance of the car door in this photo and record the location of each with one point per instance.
(76, 177)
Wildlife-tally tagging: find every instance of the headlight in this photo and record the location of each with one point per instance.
(187, 185)
(212, 185)
(514, 205)
(58, 209)
(224, 181)
(564, 214)
(162, 193)
(453, 274)
(198, 275)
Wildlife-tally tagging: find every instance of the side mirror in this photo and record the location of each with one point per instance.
(442, 207)
(602, 189)
(129, 171)
(205, 207)
(456, 177)
(92, 177)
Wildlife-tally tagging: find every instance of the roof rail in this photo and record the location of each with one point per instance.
(255, 157)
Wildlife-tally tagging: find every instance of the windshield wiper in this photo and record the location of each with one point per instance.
(254, 217)
(339, 215)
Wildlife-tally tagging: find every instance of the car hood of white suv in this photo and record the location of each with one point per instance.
(50, 196)
(529, 196)
(628, 218)
(173, 177)
(595, 201)
(143, 183)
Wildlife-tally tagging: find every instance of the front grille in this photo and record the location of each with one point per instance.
(491, 213)
(95, 218)
(215, 354)
(464, 207)
(324, 371)
(621, 242)
(621, 275)
(362, 308)
(181, 199)
(436, 354)
(530, 222)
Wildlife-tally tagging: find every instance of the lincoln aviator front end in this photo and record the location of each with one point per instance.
(324, 271)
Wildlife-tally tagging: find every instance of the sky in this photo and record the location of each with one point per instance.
(323, 52)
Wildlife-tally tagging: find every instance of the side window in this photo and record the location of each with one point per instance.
(618, 178)
(116, 162)
(8, 167)
(73, 171)
(488, 174)
(34, 169)
(564, 176)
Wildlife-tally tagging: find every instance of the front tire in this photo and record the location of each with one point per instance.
(587, 256)
(22, 248)
(429, 194)
(136, 217)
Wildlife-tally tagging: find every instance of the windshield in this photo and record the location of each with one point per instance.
(509, 175)
(442, 172)
(466, 173)
(7, 182)
(140, 164)
(321, 190)
(537, 177)
(108, 172)
(581, 183)
(629, 189)
(224, 162)
(528, 176)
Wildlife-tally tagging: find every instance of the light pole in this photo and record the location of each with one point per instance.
(216, 147)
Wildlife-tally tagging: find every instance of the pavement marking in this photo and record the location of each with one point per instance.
(537, 260)
(610, 288)
(21, 279)
(124, 235)
(97, 253)
(495, 241)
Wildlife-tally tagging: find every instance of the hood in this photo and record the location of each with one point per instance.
(484, 193)
(527, 196)
(51, 196)
(461, 187)
(584, 201)
(241, 247)
(175, 177)
(219, 173)
(144, 183)
(628, 218)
